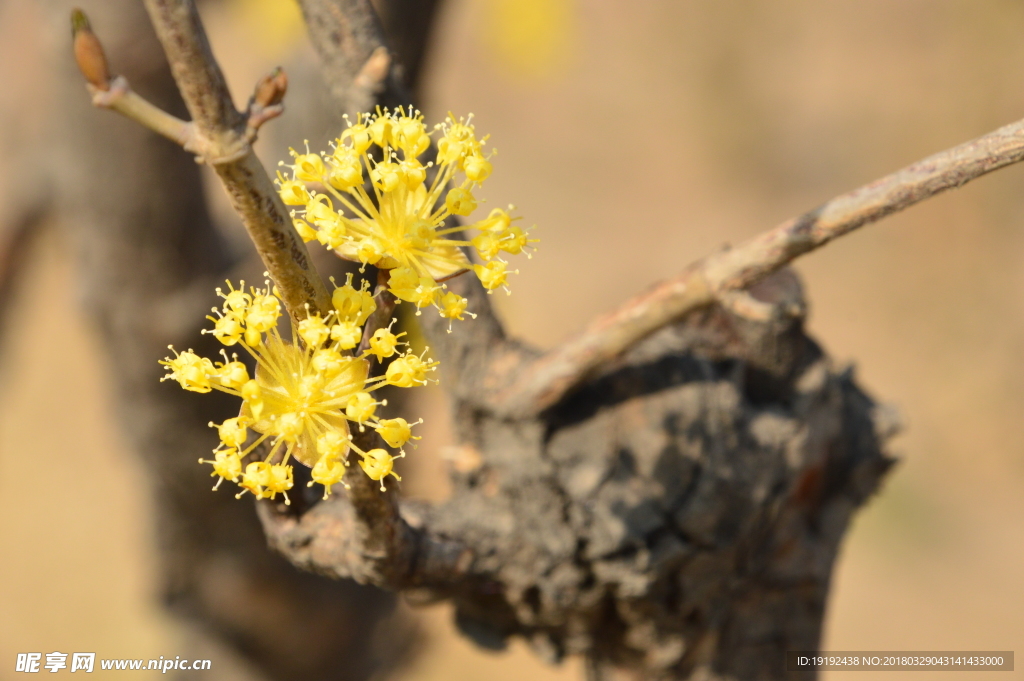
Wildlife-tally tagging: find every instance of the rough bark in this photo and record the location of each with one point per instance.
(678, 515)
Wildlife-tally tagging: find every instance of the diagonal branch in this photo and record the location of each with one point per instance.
(194, 68)
(556, 373)
(223, 129)
(221, 136)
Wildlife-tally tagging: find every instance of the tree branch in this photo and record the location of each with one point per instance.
(376, 544)
(357, 64)
(149, 256)
(195, 70)
(552, 376)
(359, 534)
(252, 194)
(219, 134)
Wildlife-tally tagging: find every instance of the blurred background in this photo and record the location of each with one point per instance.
(638, 137)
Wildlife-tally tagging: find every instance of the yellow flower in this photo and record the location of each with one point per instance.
(397, 220)
(190, 370)
(328, 471)
(396, 432)
(303, 396)
(378, 464)
(383, 343)
(409, 370)
(227, 464)
(453, 306)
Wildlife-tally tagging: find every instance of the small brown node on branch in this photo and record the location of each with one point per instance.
(374, 72)
(271, 88)
(91, 60)
(267, 102)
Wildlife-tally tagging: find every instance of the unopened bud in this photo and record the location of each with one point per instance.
(89, 52)
(270, 89)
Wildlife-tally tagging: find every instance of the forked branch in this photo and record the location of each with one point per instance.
(219, 134)
(556, 373)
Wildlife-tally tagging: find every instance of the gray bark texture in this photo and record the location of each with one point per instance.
(677, 515)
(679, 512)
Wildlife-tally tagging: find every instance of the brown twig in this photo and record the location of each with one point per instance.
(556, 373)
(118, 96)
(219, 134)
(358, 534)
(252, 194)
(266, 102)
(115, 93)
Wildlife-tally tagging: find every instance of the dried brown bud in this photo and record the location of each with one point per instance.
(270, 89)
(89, 52)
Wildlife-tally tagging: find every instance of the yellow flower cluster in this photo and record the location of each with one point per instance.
(397, 220)
(304, 394)
(371, 200)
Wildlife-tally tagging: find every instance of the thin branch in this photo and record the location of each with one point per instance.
(252, 194)
(219, 134)
(552, 376)
(121, 98)
(115, 93)
(196, 72)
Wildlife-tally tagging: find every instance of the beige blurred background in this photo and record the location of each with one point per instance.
(638, 137)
